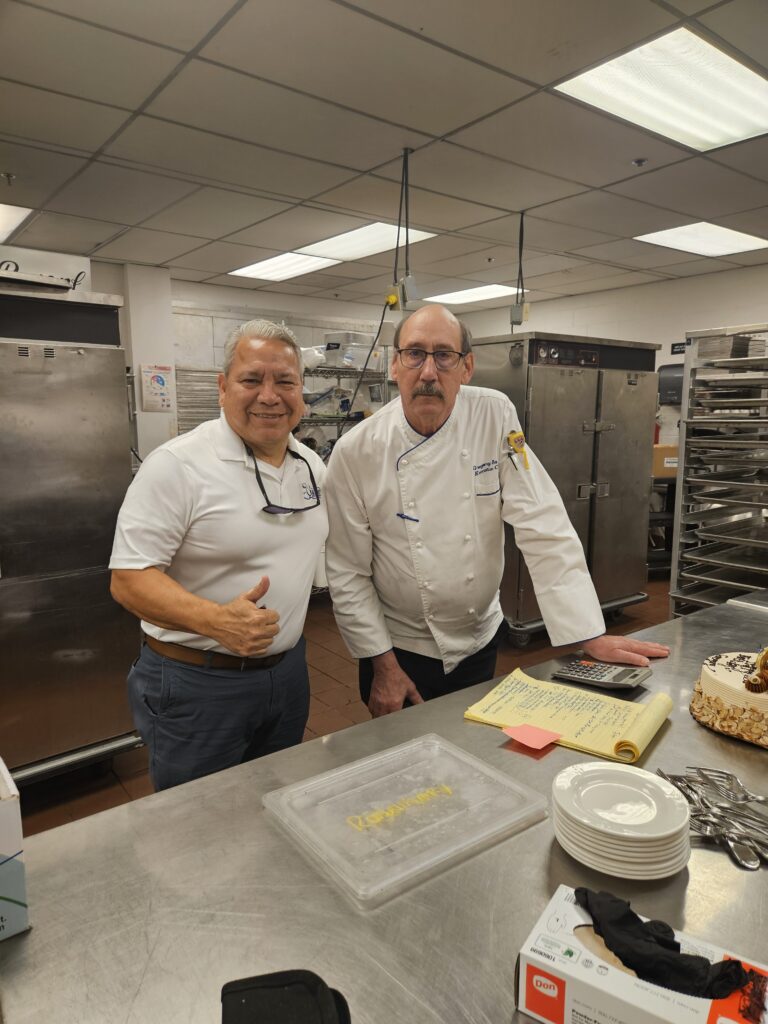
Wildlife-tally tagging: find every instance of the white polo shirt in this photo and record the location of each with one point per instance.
(194, 510)
(416, 550)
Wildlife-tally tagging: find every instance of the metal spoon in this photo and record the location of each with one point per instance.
(742, 853)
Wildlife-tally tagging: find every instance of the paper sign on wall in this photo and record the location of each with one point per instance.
(158, 388)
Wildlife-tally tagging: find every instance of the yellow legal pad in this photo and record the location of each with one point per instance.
(594, 722)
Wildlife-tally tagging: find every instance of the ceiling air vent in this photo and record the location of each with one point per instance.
(23, 350)
(49, 353)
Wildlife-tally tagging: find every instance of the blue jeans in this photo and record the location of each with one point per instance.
(196, 720)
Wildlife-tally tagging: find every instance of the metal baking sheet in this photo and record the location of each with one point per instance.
(753, 535)
(743, 363)
(751, 559)
(728, 499)
(702, 594)
(713, 420)
(739, 579)
(731, 403)
(726, 443)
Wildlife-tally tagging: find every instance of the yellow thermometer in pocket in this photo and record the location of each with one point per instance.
(516, 444)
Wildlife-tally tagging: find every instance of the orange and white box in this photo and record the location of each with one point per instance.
(565, 975)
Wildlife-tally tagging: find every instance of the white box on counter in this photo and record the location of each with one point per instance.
(13, 890)
(564, 978)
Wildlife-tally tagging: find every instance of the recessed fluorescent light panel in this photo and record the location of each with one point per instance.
(705, 239)
(487, 291)
(280, 268)
(10, 218)
(681, 87)
(365, 241)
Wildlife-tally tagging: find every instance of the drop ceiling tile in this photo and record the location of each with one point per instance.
(381, 199)
(233, 103)
(213, 213)
(172, 22)
(743, 24)
(53, 52)
(222, 257)
(289, 288)
(59, 233)
(540, 41)
(471, 263)
(318, 280)
(540, 234)
(236, 282)
(628, 252)
(454, 171)
(139, 245)
(183, 274)
(120, 194)
(42, 116)
(691, 7)
(504, 273)
(446, 285)
(751, 222)
(749, 259)
(556, 135)
(343, 56)
(383, 283)
(38, 172)
(697, 187)
(605, 211)
(565, 278)
(696, 267)
(159, 144)
(750, 156)
(297, 227)
(606, 284)
(441, 247)
(359, 271)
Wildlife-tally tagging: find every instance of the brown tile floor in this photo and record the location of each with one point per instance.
(334, 704)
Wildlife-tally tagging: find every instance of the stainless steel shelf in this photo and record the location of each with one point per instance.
(750, 535)
(346, 371)
(737, 579)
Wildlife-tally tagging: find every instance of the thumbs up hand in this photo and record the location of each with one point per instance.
(243, 627)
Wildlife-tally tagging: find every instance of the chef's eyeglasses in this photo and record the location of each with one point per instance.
(281, 510)
(445, 358)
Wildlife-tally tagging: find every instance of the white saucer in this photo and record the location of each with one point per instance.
(620, 800)
(623, 869)
(595, 847)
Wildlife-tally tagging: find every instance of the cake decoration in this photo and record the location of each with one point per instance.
(731, 696)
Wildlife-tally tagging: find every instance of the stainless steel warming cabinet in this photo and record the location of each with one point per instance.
(65, 465)
(587, 406)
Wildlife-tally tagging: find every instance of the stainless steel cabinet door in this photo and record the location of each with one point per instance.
(623, 458)
(559, 403)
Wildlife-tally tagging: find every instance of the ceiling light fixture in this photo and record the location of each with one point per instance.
(361, 242)
(705, 239)
(487, 291)
(10, 218)
(681, 87)
(280, 268)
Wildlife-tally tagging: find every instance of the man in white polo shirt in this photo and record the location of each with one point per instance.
(217, 544)
(418, 496)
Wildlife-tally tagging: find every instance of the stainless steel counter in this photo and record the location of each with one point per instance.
(141, 913)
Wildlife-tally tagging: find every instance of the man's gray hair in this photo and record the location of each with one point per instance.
(466, 337)
(260, 329)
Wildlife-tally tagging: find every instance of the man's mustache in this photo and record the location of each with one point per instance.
(428, 390)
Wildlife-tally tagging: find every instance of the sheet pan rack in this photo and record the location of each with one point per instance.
(720, 544)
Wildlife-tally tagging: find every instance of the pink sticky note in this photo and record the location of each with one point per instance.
(531, 735)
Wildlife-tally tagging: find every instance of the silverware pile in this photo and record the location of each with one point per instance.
(720, 812)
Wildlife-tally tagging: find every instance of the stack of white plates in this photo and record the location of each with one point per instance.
(621, 820)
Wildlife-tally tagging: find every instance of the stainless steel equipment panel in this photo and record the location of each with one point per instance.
(623, 471)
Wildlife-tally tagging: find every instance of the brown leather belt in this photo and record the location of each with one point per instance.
(211, 659)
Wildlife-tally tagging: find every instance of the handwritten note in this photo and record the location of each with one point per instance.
(594, 722)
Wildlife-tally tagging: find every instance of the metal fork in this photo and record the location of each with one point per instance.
(744, 854)
(728, 785)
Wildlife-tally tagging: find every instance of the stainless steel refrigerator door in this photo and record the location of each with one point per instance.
(559, 403)
(623, 465)
(64, 455)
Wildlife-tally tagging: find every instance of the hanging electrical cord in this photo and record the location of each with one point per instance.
(403, 220)
(520, 280)
(347, 420)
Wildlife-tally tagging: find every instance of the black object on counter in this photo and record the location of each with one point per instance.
(286, 997)
(650, 949)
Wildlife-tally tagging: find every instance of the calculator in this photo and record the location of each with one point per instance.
(598, 673)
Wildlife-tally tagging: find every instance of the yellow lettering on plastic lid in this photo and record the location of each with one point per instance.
(516, 443)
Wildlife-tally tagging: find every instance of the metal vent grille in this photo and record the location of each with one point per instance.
(23, 350)
(49, 353)
(197, 397)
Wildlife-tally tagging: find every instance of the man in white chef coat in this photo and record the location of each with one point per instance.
(417, 500)
(216, 548)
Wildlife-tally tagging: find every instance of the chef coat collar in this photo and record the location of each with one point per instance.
(415, 440)
(230, 447)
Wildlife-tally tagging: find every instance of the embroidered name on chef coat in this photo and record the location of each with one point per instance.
(486, 467)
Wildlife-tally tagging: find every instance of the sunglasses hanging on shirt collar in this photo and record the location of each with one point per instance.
(281, 510)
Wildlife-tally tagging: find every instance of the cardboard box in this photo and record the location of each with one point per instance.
(560, 979)
(13, 890)
(665, 460)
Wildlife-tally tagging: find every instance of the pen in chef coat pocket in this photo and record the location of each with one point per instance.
(402, 515)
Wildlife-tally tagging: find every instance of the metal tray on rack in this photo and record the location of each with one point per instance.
(702, 594)
(738, 579)
(748, 379)
(729, 500)
(742, 363)
(726, 477)
(750, 533)
(712, 421)
(726, 443)
(751, 559)
(728, 403)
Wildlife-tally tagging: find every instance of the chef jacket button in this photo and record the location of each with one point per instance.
(466, 494)
(418, 544)
(404, 462)
(467, 536)
(430, 616)
(411, 504)
(470, 611)
(464, 452)
(471, 576)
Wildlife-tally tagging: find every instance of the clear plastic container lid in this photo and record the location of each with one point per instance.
(381, 824)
